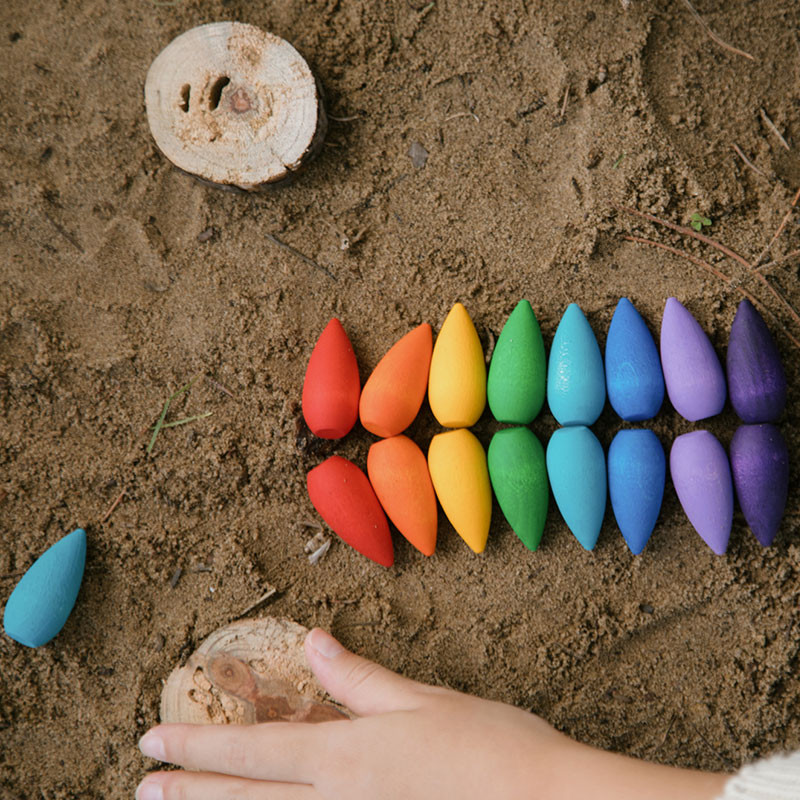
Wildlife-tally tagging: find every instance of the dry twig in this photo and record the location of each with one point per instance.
(564, 104)
(221, 388)
(747, 161)
(687, 232)
(271, 591)
(778, 232)
(727, 251)
(114, 505)
(304, 258)
(712, 35)
(462, 114)
(771, 125)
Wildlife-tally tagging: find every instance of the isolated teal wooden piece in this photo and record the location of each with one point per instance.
(519, 479)
(634, 378)
(576, 384)
(637, 469)
(44, 597)
(576, 466)
(516, 383)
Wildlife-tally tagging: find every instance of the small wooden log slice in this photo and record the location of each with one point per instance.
(250, 671)
(234, 106)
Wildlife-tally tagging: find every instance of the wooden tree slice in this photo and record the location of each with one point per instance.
(247, 672)
(234, 105)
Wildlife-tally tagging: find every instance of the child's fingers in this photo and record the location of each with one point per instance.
(209, 786)
(272, 751)
(363, 686)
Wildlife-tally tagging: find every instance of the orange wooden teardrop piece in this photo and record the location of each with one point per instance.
(398, 471)
(393, 394)
(332, 386)
(342, 494)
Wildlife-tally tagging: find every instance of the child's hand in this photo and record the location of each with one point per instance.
(410, 741)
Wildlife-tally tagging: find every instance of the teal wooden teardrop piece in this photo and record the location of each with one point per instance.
(576, 467)
(576, 383)
(43, 599)
(519, 479)
(516, 383)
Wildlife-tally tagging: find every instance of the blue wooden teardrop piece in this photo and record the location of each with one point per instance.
(756, 380)
(576, 467)
(760, 467)
(634, 379)
(636, 472)
(576, 384)
(44, 597)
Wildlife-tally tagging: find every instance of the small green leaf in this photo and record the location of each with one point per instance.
(697, 221)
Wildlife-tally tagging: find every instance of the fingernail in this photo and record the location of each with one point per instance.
(324, 643)
(152, 746)
(150, 790)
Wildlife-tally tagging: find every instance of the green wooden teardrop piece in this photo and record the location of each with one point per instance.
(516, 383)
(519, 479)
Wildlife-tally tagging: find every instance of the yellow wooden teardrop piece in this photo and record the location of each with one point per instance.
(457, 383)
(457, 463)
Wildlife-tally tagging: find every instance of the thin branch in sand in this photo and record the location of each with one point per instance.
(304, 258)
(712, 35)
(778, 232)
(747, 161)
(65, 233)
(771, 125)
(114, 505)
(264, 597)
(721, 275)
(688, 232)
(345, 119)
(564, 104)
(781, 260)
(221, 388)
(462, 114)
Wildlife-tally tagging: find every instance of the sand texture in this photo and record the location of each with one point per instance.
(475, 153)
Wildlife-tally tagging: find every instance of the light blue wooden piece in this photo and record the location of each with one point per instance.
(576, 384)
(44, 597)
(576, 466)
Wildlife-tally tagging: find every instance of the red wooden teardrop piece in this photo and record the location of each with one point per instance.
(342, 494)
(332, 387)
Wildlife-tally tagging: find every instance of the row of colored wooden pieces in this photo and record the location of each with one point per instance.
(458, 472)
(454, 372)
(635, 375)
(516, 465)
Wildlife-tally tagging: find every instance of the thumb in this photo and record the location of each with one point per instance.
(363, 686)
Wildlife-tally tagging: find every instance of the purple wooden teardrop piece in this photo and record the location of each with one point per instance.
(756, 379)
(760, 466)
(702, 479)
(692, 371)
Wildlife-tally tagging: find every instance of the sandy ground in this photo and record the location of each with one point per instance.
(121, 279)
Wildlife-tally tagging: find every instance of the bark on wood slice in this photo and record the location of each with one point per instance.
(234, 106)
(250, 671)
